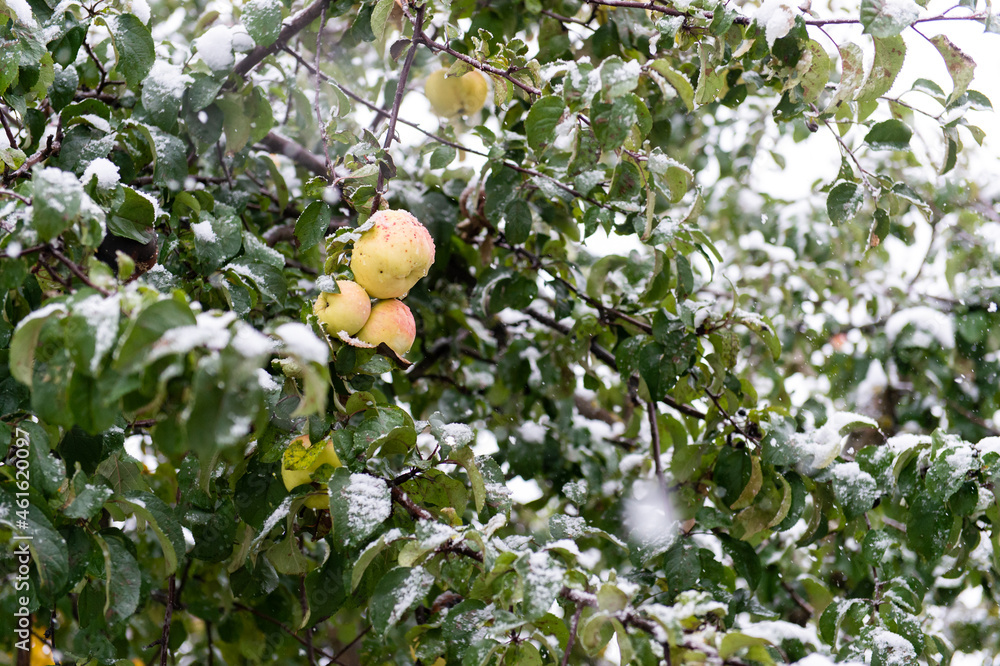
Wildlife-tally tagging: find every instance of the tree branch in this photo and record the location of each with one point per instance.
(420, 36)
(76, 270)
(296, 24)
(319, 116)
(293, 151)
(654, 433)
(572, 634)
(288, 630)
(51, 147)
(14, 195)
(390, 133)
(609, 359)
(168, 614)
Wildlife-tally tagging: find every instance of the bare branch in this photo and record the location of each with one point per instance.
(390, 133)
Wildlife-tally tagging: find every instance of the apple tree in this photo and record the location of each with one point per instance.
(662, 406)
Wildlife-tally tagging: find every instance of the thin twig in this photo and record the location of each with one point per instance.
(167, 618)
(850, 153)
(420, 36)
(51, 147)
(565, 19)
(390, 132)
(347, 647)
(416, 512)
(14, 195)
(6, 128)
(100, 66)
(745, 20)
(319, 116)
(572, 634)
(208, 636)
(728, 417)
(284, 627)
(304, 603)
(654, 431)
(609, 359)
(76, 270)
(797, 598)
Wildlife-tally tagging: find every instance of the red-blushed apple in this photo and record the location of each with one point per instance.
(391, 322)
(390, 257)
(347, 311)
(293, 478)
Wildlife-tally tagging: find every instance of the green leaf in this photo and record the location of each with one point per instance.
(815, 68)
(122, 576)
(313, 223)
(161, 518)
(518, 221)
(543, 579)
(369, 553)
(442, 156)
(523, 654)
(466, 459)
(33, 532)
(380, 15)
(887, 18)
(844, 201)
(745, 560)
(619, 77)
(889, 135)
(540, 124)
(122, 472)
(10, 56)
(676, 80)
(133, 47)
(398, 591)
(889, 55)
(613, 122)
(851, 76)
(960, 66)
(928, 525)
(359, 504)
(89, 500)
(855, 490)
(262, 19)
(24, 343)
(597, 278)
(58, 196)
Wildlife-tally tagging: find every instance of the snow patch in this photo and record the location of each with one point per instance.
(106, 172)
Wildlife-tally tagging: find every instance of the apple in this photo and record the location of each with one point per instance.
(452, 96)
(347, 311)
(294, 478)
(391, 322)
(390, 257)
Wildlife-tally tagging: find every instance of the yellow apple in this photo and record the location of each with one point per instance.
(293, 478)
(347, 311)
(392, 323)
(390, 257)
(452, 96)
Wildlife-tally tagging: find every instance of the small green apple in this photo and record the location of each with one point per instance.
(391, 322)
(298, 451)
(347, 311)
(390, 257)
(452, 96)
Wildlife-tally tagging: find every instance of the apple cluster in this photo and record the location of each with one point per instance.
(386, 261)
(453, 96)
